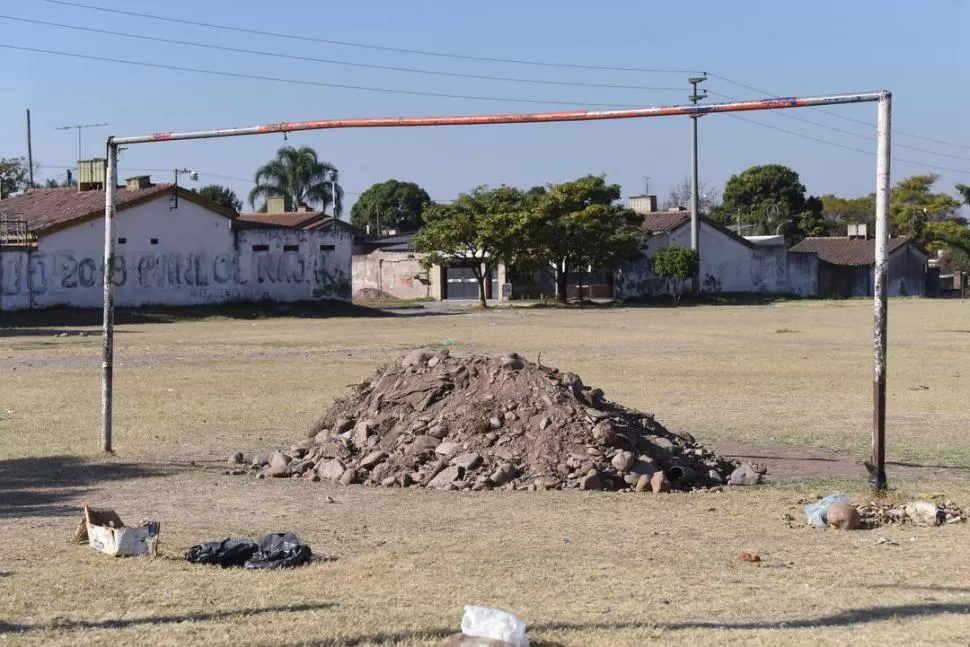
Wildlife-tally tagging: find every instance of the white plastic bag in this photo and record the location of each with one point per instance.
(492, 623)
(817, 512)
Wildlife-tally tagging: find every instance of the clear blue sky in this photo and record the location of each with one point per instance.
(919, 51)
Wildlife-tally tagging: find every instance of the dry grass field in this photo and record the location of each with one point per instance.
(788, 383)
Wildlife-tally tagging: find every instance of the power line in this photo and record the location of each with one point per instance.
(399, 50)
(326, 84)
(850, 119)
(855, 134)
(394, 68)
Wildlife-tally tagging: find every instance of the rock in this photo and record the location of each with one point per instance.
(361, 432)
(843, 516)
(744, 475)
(659, 483)
(341, 425)
(322, 436)
(749, 557)
(312, 476)
(417, 358)
(663, 443)
(545, 422)
(279, 470)
(260, 460)
(279, 460)
(502, 474)
(591, 481)
(446, 449)
(643, 468)
(715, 477)
(467, 461)
(331, 470)
(924, 513)
(299, 467)
(623, 461)
(495, 422)
(446, 477)
(237, 459)
(424, 444)
(349, 477)
(372, 459)
(438, 431)
(604, 433)
(643, 483)
(388, 481)
(434, 361)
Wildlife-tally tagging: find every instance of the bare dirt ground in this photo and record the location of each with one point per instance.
(787, 385)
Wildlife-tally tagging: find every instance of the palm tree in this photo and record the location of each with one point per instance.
(300, 175)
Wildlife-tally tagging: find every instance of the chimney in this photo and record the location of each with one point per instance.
(138, 182)
(279, 204)
(644, 203)
(91, 173)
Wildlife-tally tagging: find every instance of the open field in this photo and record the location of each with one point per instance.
(788, 383)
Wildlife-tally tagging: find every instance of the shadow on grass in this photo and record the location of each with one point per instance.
(164, 620)
(41, 487)
(50, 318)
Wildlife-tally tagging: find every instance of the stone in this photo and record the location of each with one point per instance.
(447, 477)
(438, 431)
(591, 481)
(372, 459)
(495, 422)
(643, 483)
(260, 460)
(341, 425)
(715, 477)
(923, 513)
(642, 467)
(446, 449)
(663, 443)
(237, 459)
(659, 483)
(594, 451)
(279, 460)
(545, 422)
(623, 461)
(843, 516)
(331, 470)
(322, 436)
(596, 414)
(631, 479)
(424, 444)
(502, 474)
(469, 461)
(312, 476)
(434, 361)
(279, 470)
(362, 430)
(388, 481)
(299, 467)
(744, 475)
(604, 433)
(349, 477)
(749, 557)
(417, 358)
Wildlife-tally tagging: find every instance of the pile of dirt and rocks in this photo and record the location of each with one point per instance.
(475, 423)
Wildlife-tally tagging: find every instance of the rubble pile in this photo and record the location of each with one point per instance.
(476, 423)
(921, 513)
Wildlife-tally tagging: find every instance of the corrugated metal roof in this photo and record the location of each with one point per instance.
(847, 251)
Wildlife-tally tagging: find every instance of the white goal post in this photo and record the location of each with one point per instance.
(876, 466)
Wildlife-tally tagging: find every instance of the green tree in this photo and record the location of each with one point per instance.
(221, 195)
(394, 204)
(578, 225)
(478, 229)
(964, 192)
(912, 205)
(838, 211)
(676, 264)
(13, 176)
(299, 174)
(769, 199)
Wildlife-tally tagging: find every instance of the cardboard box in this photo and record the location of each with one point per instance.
(105, 531)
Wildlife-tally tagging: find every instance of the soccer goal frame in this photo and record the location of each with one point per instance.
(876, 466)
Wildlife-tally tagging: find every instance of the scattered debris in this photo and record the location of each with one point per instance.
(277, 550)
(885, 541)
(749, 557)
(925, 513)
(476, 423)
(105, 531)
(497, 628)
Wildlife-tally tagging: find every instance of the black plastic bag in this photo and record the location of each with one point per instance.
(230, 552)
(279, 550)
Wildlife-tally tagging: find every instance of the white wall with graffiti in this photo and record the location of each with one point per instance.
(183, 256)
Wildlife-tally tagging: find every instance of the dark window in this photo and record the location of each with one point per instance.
(327, 248)
(154, 241)
(122, 241)
(291, 248)
(260, 248)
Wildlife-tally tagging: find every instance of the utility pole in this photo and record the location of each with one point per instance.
(694, 221)
(79, 127)
(30, 153)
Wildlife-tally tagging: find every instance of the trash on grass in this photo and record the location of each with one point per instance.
(925, 513)
(482, 622)
(817, 512)
(277, 550)
(105, 531)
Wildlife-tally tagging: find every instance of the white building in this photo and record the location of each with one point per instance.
(729, 263)
(173, 247)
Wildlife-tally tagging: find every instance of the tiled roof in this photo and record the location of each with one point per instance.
(847, 251)
(665, 221)
(48, 210)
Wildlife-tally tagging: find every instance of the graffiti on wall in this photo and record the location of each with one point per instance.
(39, 273)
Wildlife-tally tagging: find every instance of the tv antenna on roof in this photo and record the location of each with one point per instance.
(79, 127)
